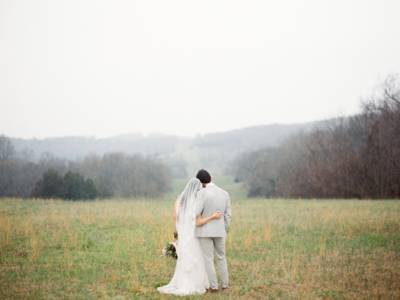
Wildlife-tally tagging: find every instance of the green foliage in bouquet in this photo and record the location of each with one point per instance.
(170, 250)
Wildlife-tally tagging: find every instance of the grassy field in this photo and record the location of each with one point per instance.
(276, 249)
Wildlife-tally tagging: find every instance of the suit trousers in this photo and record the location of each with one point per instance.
(211, 245)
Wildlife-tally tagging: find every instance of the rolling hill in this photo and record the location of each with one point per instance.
(213, 150)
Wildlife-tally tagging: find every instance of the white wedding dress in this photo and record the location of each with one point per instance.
(190, 275)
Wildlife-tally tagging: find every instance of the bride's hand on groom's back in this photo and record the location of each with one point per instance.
(217, 215)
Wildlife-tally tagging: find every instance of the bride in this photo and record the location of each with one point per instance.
(190, 275)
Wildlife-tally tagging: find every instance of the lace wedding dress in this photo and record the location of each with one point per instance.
(190, 275)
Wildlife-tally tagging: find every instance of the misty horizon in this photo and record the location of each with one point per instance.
(155, 133)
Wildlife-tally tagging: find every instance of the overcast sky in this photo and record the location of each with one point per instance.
(103, 68)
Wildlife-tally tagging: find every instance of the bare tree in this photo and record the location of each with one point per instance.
(7, 150)
(356, 157)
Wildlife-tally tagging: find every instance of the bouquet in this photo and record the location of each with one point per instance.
(170, 248)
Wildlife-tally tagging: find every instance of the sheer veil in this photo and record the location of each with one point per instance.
(185, 208)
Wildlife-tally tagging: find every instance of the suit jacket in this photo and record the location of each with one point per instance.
(209, 200)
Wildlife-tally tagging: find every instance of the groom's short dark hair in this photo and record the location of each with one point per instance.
(203, 176)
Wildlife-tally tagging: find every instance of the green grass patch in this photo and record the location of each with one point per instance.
(291, 249)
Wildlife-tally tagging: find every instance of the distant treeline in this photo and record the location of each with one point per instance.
(109, 175)
(356, 157)
(72, 186)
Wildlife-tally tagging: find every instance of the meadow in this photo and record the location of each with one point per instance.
(290, 249)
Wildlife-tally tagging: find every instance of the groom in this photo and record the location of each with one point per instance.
(212, 235)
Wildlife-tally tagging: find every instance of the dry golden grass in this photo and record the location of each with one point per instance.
(276, 249)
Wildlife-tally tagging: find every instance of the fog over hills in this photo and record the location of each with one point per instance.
(213, 150)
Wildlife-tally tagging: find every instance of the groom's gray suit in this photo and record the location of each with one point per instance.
(212, 235)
